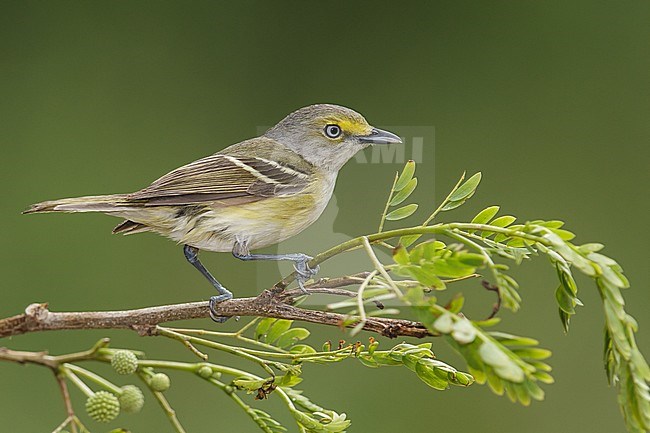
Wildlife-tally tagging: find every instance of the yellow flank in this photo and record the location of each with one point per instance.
(217, 227)
(272, 220)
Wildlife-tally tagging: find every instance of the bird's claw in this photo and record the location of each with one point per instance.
(214, 300)
(304, 271)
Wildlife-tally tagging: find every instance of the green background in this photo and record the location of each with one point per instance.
(550, 100)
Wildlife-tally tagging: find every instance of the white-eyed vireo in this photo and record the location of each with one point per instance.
(250, 195)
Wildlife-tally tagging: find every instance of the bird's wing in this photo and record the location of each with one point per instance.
(225, 179)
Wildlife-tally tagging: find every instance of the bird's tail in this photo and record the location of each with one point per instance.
(95, 203)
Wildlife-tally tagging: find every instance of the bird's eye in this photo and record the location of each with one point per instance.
(333, 131)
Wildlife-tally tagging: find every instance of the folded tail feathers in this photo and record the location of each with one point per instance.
(99, 203)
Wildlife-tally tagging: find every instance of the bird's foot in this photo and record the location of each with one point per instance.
(214, 300)
(301, 265)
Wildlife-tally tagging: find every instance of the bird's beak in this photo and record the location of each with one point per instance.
(379, 136)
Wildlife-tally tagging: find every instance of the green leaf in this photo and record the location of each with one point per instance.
(404, 193)
(471, 259)
(263, 327)
(250, 385)
(513, 340)
(367, 361)
(503, 221)
(564, 234)
(427, 375)
(466, 189)
(407, 241)
(522, 395)
(427, 278)
(484, 216)
(400, 255)
(502, 364)
(291, 337)
(302, 349)
(463, 379)
(406, 176)
(532, 352)
(449, 269)
(564, 300)
(277, 329)
(456, 303)
(403, 212)
(453, 205)
(288, 379)
(384, 358)
(553, 224)
(543, 377)
(494, 382)
(590, 248)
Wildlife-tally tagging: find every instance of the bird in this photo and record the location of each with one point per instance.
(250, 195)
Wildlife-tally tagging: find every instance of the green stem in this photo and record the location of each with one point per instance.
(247, 326)
(191, 367)
(418, 230)
(237, 335)
(94, 378)
(77, 381)
(218, 346)
(64, 424)
(444, 202)
(229, 391)
(83, 355)
(503, 230)
(282, 354)
(380, 267)
(80, 425)
(390, 197)
(362, 288)
(166, 407)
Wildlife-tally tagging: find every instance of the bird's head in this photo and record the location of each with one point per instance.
(328, 135)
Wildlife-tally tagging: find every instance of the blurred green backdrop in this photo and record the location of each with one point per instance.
(550, 100)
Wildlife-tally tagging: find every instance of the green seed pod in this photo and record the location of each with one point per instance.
(372, 347)
(103, 406)
(205, 372)
(124, 362)
(131, 399)
(160, 382)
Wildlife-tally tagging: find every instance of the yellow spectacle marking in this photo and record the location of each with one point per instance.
(350, 126)
(355, 128)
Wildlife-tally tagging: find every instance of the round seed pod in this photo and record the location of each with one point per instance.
(160, 382)
(103, 406)
(124, 362)
(131, 399)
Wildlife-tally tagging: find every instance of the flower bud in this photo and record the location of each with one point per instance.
(131, 399)
(103, 406)
(205, 372)
(160, 382)
(124, 362)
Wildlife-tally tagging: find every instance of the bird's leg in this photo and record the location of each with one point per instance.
(192, 256)
(300, 262)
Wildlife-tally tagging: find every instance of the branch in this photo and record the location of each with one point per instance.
(37, 317)
(63, 386)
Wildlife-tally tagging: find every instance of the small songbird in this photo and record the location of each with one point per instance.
(252, 194)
